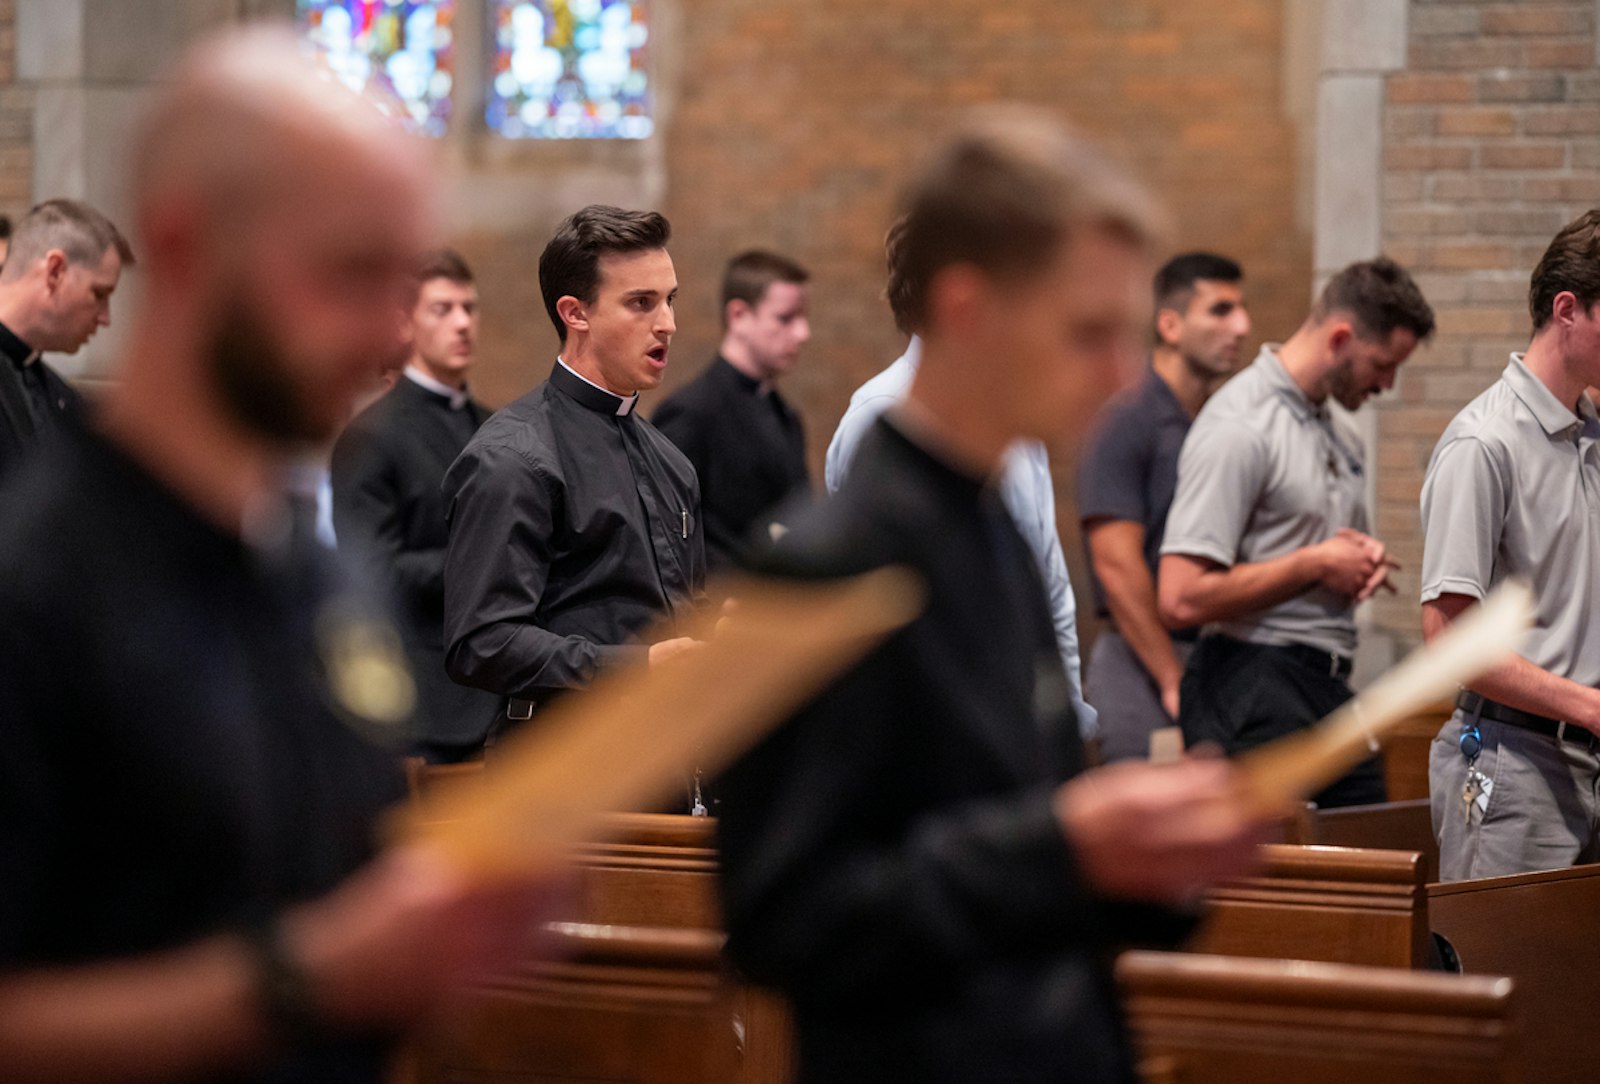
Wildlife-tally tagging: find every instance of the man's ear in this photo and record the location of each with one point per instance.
(573, 313)
(1169, 326)
(55, 268)
(1338, 333)
(1564, 307)
(956, 296)
(735, 309)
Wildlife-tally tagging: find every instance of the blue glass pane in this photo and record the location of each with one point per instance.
(404, 48)
(571, 69)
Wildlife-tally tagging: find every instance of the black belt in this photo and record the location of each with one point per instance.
(1328, 662)
(1474, 704)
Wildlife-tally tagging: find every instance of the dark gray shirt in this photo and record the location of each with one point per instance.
(1129, 470)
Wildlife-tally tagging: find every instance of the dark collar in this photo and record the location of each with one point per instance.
(733, 375)
(929, 462)
(595, 398)
(18, 352)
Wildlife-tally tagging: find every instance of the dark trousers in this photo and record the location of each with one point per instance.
(1238, 695)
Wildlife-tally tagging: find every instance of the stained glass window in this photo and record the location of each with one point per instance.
(570, 69)
(404, 47)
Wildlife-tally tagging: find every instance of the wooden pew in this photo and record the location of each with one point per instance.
(1399, 826)
(1405, 752)
(1334, 904)
(1223, 1020)
(1540, 929)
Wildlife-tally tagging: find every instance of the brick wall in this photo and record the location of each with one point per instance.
(16, 122)
(1490, 147)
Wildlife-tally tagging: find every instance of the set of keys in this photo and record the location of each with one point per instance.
(1478, 786)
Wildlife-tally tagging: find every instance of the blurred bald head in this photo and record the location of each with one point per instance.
(279, 215)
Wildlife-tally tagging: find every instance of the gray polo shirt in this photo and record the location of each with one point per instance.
(1513, 489)
(1265, 472)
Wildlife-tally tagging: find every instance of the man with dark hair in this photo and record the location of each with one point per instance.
(1513, 489)
(574, 524)
(914, 858)
(193, 706)
(387, 469)
(1266, 542)
(61, 269)
(1026, 484)
(1126, 479)
(747, 444)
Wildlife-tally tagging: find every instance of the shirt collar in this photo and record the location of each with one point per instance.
(457, 397)
(1553, 416)
(1277, 377)
(590, 394)
(741, 379)
(20, 353)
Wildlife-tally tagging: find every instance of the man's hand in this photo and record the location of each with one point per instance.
(1169, 701)
(396, 940)
(1349, 561)
(1159, 833)
(662, 650)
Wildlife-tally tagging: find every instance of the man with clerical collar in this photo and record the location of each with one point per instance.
(60, 271)
(387, 470)
(574, 524)
(747, 444)
(1126, 479)
(1267, 541)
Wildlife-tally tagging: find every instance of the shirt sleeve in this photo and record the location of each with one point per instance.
(496, 570)
(847, 437)
(367, 505)
(1111, 474)
(1221, 472)
(1464, 504)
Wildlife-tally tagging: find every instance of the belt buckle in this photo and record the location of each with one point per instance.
(519, 711)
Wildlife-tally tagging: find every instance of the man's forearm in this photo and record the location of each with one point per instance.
(1198, 592)
(165, 1017)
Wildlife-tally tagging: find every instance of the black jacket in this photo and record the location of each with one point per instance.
(890, 857)
(387, 470)
(19, 435)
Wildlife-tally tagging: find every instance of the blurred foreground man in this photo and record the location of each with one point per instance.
(187, 698)
(915, 859)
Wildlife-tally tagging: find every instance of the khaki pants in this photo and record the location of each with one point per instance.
(1542, 807)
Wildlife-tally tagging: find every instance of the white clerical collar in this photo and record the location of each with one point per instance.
(458, 396)
(625, 403)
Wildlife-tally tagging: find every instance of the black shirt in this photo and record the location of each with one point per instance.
(574, 526)
(174, 762)
(748, 448)
(35, 403)
(890, 857)
(1129, 470)
(387, 503)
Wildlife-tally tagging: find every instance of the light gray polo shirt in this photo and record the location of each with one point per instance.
(1513, 489)
(1264, 472)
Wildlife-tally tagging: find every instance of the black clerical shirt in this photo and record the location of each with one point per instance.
(35, 403)
(748, 448)
(574, 526)
(174, 762)
(891, 859)
(387, 503)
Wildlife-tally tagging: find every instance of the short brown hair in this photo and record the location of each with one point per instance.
(750, 274)
(1379, 297)
(1003, 196)
(83, 235)
(570, 263)
(1570, 265)
(443, 263)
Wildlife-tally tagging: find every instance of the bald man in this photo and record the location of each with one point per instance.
(192, 760)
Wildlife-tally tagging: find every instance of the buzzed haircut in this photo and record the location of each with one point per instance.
(749, 275)
(1176, 282)
(1004, 195)
(443, 263)
(570, 263)
(1570, 265)
(1379, 297)
(83, 235)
